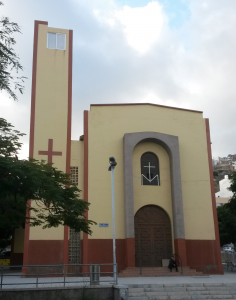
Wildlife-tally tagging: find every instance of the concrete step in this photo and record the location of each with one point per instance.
(156, 275)
(171, 289)
(153, 268)
(155, 271)
(159, 293)
(190, 290)
(194, 291)
(181, 297)
(213, 297)
(209, 293)
(168, 285)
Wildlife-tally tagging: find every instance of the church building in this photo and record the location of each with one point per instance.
(164, 190)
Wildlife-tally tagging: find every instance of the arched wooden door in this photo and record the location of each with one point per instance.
(152, 236)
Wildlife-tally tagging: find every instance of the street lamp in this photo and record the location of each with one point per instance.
(111, 168)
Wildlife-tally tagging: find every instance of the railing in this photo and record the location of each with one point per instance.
(56, 275)
(179, 259)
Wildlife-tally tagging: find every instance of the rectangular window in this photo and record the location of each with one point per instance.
(56, 41)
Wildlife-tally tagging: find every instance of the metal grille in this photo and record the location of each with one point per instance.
(74, 247)
(74, 243)
(74, 175)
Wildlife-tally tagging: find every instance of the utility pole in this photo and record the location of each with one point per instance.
(111, 168)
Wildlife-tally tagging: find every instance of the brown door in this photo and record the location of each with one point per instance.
(152, 236)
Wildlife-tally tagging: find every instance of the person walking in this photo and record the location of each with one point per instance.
(172, 264)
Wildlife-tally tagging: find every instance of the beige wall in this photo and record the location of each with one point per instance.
(51, 110)
(51, 97)
(107, 126)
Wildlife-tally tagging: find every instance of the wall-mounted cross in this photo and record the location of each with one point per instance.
(149, 166)
(50, 152)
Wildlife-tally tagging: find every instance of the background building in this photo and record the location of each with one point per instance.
(224, 194)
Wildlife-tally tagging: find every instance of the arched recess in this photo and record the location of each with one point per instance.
(153, 241)
(171, 144)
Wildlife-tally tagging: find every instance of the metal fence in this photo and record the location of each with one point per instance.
(37, 276)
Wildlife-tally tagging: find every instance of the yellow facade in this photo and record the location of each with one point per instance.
(186, 200)
(107, 126)
(51, 111)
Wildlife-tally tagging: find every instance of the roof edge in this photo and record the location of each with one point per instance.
(164, 106)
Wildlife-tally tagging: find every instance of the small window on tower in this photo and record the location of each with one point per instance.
(56, 41)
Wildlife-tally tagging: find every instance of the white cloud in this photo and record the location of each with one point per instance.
(142, 25)
(124, 54)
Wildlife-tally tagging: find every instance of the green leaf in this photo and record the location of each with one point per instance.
(54, 199)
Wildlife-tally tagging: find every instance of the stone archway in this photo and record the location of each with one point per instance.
(153, 240)
(171, 144)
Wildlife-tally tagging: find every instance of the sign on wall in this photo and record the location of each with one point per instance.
(103, 225)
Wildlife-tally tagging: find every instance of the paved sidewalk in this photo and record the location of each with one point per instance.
(17, 282)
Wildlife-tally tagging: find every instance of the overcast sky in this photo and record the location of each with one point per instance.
(179, 53)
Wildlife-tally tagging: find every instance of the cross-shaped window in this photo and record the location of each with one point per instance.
(150, 169)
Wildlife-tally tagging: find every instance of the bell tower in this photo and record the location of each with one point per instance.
(50, 130)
